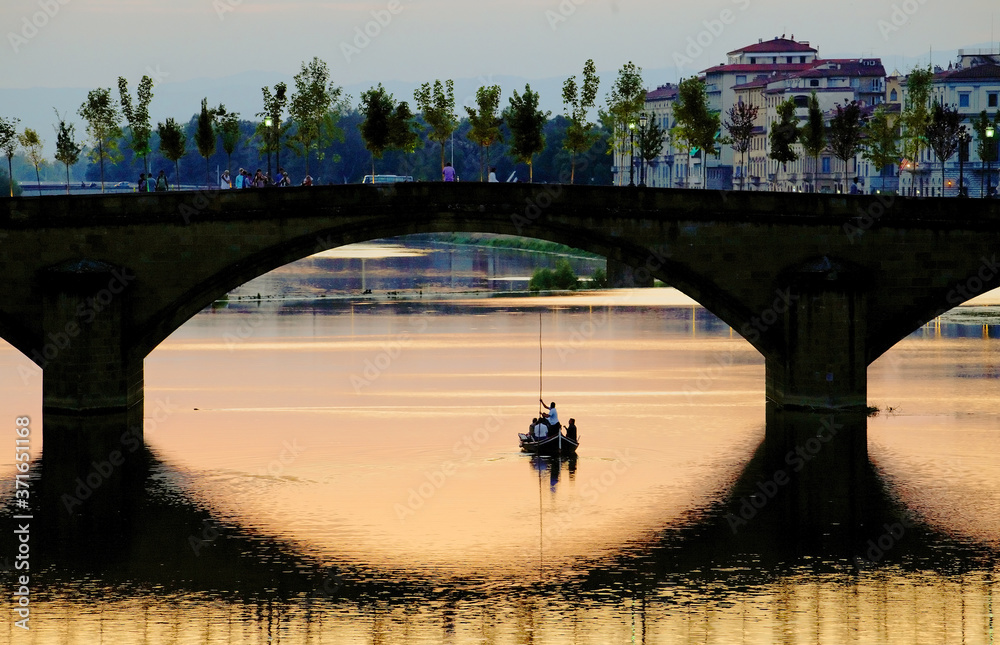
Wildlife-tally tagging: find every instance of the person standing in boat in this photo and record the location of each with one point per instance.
(551, 419)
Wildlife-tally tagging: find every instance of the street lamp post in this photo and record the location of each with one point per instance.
(270, 137)
(963, 149)
(989, 132)
(642, 158)
(631, 152)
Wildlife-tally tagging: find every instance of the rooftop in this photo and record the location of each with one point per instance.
(662, 93)
(989, 71)
(775, 46)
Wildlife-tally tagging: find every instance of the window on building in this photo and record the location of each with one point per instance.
(991, 99)
(753, 60)
(741, 79)
(963, 99)
(826, 164)
(813, 82)
(893, 96)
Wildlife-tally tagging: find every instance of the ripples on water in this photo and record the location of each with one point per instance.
(346, 471)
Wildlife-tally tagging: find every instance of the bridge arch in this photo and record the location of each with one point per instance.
(680, 275)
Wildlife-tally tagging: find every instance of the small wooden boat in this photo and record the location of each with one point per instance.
(552, 445)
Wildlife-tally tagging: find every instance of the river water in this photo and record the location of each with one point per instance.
(337, 468)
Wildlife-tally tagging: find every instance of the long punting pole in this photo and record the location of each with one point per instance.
(539, 363)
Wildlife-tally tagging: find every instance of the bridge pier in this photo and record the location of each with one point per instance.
(92, 389)
(623, 276)
(820, 332)
(818, 462)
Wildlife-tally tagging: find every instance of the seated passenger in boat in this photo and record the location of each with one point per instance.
(541, 430)
(571, 430)
(551, 419)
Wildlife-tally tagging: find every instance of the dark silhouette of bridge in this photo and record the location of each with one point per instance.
(820, 285)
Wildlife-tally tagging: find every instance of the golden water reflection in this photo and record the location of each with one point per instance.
(380, 436)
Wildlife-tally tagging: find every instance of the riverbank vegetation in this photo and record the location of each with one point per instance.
(563, 278)
(503, 242)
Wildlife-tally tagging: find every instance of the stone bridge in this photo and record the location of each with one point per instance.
(821, 285)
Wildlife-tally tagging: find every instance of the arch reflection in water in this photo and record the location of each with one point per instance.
(654, 557)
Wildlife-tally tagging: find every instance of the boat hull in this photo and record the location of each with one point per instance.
(550, 446)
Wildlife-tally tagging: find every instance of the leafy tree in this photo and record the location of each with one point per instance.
(402, 135)
(311, 103)
(650, 143)
(376, 106)
(942, 134)
(526, 122)
(599, 280)
(562, 278)
(696, 124)
(274, 109)
(437, 105)
(626, 101)
(102, 118)
(485, 121)
(577, 101)
(812, 134)
(881, 132)
(784, 133)
(387, 125)
(846, 133)
(739, 124)
(32, 144)
(228, 125)
(173, 144)
(138, 116)
(986, 148)
(8, 145)
(204, 137)
(67, 149)
(916, 115)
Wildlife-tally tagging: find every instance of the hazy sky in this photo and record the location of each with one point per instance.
(184, 45)
(88, 43)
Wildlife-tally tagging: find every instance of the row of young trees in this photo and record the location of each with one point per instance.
(309, 119)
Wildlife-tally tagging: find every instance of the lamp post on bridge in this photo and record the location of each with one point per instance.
(268, 122)
(989, 161)
(642, 144)
(963, 150)
(631, 152)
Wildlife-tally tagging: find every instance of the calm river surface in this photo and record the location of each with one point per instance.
(345, 470)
